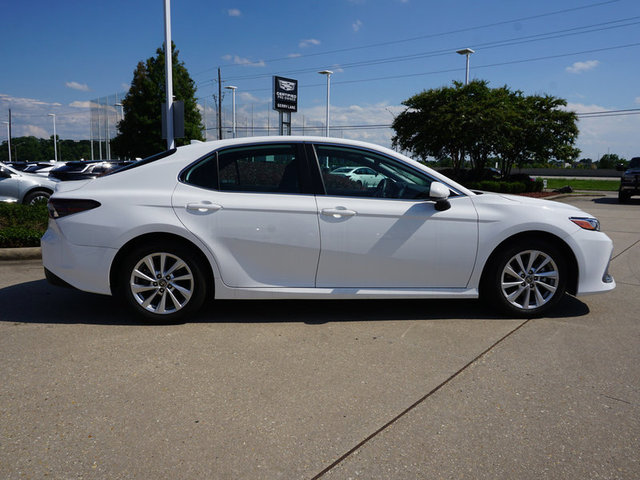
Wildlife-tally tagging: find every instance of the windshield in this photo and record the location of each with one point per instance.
(634, 163)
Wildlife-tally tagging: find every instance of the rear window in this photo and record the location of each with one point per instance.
(145, 161)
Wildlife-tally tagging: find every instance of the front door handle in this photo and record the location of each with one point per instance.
(338, 212)
(203, 207)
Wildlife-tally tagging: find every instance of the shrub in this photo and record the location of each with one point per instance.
(22, 225)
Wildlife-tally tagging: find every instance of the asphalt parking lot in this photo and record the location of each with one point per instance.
(334, 390)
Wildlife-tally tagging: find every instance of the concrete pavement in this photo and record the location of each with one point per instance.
(388, 389)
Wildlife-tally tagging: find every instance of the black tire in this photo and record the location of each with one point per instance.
(623, 196)
(523, 292)
(162, 282)
(36, 196)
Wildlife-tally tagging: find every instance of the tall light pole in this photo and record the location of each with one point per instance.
(467, 52)
(55, 138)
(8, 140)
(328, 73)
(168, 73)
(233, 103)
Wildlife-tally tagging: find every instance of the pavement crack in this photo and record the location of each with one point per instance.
(626, 249)
(346, 455)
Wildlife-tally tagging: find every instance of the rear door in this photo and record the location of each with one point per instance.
(253, 208)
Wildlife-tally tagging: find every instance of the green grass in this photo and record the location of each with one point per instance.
(583, 184)
(22, 225)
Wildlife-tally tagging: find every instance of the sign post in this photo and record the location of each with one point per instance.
(285, 101)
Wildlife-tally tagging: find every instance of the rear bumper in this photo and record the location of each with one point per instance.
(81, 267)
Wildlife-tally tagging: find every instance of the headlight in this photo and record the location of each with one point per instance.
(588, 223)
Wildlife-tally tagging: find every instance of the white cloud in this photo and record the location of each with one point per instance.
(78, 86)
(357, 25)
(308, 42)
(244, 61)
(294, 55)
(637, 100)
(234, 12)
(598, 135)
(79, 104)
(579, 67)
(30, 117)
(246, 97)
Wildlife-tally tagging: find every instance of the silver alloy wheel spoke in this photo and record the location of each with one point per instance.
(162, 283)
(531, 286)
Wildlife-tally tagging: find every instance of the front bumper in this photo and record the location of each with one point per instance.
(593, 252)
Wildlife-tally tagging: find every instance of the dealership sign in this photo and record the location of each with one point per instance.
(285, 94)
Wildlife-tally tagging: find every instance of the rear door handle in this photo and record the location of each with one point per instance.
(203, 207)
(338, 212)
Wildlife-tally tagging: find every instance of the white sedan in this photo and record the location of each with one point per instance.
(260, 218)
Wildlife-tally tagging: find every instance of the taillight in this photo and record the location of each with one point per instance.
(61, 207)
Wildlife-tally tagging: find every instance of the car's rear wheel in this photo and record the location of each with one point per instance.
(526, 279)
(163, 282)
(37, 196)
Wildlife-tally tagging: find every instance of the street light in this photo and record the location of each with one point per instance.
(467, 52)
(118, 104)
(55, 139)
(328, 73)
(233, 101)
(8, 140)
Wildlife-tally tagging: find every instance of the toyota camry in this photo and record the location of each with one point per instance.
(263, 218)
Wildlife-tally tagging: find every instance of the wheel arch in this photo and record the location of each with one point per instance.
(565, 250)
(34, 190)
(160, 237)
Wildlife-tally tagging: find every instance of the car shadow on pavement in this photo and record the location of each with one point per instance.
(40, 302)
(615, 201)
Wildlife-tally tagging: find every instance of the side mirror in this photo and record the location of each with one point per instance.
(440, 193)
(4, 173)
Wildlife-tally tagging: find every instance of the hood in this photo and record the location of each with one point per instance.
(505, 198)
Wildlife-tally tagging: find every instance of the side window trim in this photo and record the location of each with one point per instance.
(319, 181)
(306, 184)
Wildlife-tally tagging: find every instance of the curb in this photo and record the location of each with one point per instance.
(29, 253)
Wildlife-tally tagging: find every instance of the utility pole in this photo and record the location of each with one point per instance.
(219, 106)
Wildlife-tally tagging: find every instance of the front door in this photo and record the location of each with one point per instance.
(390, 235)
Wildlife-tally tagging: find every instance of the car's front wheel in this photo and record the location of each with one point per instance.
(623, 196)
(526, 279)
(163, 282)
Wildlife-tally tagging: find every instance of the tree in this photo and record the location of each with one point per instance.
(481, 122)
(610, 160)
(140, 132)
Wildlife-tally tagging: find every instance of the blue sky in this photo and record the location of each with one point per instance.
(57, 56)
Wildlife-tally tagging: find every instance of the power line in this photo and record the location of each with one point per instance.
(442, 52)
(434, 72)
(420, 37)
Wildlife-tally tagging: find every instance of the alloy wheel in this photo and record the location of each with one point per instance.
(529, 279)
(162, 283)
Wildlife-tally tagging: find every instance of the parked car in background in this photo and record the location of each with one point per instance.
(83, 170)
(42, 168)
(264, 217)
(630, 181)
(364, 177)
(26, 188)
